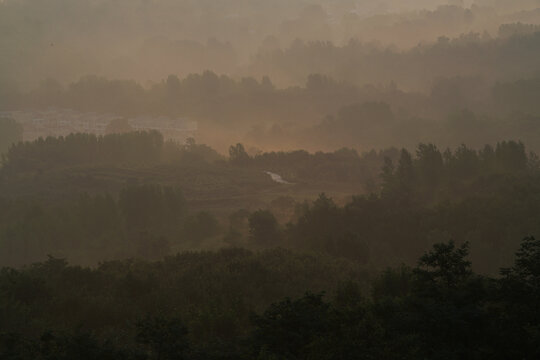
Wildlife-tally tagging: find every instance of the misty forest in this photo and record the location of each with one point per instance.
(269, 179)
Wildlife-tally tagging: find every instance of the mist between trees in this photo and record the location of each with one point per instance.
(92, 198)
(298, 180)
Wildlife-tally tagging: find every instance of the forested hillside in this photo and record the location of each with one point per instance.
(138, 310)
(88, 199)
(269, 179)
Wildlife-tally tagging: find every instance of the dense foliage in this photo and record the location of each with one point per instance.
(211, 306)
(489, 197)
(77, 149)
(315, 288)
(214, 293)
(143, 221)
(359, 213)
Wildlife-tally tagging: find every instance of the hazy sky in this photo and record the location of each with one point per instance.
(149, 39)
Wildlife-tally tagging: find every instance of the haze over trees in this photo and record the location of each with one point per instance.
(155, 39)
(286, 179)
(10, 133)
